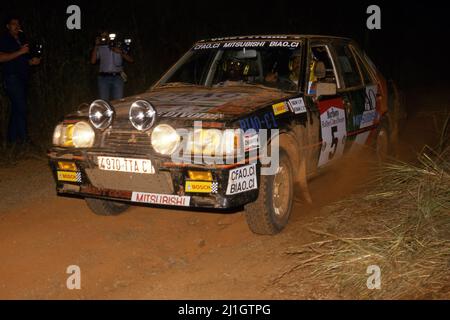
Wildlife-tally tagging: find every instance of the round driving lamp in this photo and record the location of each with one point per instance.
(142, 115)
(101, 114)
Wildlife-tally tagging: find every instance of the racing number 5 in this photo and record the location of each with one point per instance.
(334, 142)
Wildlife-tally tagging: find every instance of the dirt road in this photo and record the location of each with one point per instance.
(150, 253)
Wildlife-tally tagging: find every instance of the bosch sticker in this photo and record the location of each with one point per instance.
(69, 176)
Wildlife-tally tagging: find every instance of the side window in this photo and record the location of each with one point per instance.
(363, 68)
(348, 66)
(320, 54)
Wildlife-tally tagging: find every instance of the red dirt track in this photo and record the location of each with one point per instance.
(150, 253)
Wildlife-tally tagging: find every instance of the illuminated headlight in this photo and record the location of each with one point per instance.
(78, 135)
(165, 139)
(101, 114)
(213, 142)
(142, 115)
(82, 135)
(57, 134)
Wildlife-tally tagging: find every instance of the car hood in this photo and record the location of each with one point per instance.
(194, 103)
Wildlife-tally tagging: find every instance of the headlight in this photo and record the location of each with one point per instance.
(207, 142)
(165, 139)
(82, 135)
(78, 135)
(57, 134)
(213, 142)
(142, 115)
(101, 114)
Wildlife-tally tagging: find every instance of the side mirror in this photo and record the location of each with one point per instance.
(325, 89)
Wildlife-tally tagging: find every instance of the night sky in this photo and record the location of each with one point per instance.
(411, 36)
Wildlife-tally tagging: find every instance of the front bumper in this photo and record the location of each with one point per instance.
(166, 187)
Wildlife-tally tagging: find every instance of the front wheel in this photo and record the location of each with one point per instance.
(270, 213)
(106, 207)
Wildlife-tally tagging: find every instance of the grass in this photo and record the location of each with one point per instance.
(401, 225)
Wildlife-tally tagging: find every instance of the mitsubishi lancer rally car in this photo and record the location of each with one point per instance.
(236, 123)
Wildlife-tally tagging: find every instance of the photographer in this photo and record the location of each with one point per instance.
(111, 77)
(16, 61)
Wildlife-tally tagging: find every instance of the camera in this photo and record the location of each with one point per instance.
(112, 41)
(36, 50)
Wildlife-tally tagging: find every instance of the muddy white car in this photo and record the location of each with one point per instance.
(236, 122)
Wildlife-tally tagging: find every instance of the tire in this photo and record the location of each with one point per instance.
(106, 207)
(382, 144)
(270, 213)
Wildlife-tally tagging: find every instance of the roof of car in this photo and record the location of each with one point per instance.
(272, 37)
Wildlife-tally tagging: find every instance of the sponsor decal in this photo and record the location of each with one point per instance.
(297, 105)
(333, 128)
(247, 44)
(244, 44)
(280, 108)
(69, 176)
(256, 122)
(198, 98)
(201, 186)
(194, 115)
(284, 44)
(251, 140)
(368, 117)
(242, 179)
(203, 46)
(163, 199)
(371, 98)
(253, 37)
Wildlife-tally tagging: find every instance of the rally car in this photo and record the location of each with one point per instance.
(237, 122)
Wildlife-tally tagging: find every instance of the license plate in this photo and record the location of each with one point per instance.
(126, 165)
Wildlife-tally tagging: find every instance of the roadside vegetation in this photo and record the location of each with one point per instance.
(402, 225)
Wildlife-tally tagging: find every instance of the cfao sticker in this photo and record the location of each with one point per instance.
(297, 105)
(242, 179)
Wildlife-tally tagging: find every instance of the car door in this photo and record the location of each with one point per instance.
(359, 93)
(331, 107)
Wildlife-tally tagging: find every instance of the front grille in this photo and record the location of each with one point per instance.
(122, 135)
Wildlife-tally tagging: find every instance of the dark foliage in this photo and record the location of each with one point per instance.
(162, 31)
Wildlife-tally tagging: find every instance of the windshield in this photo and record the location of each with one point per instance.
(273, 64)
